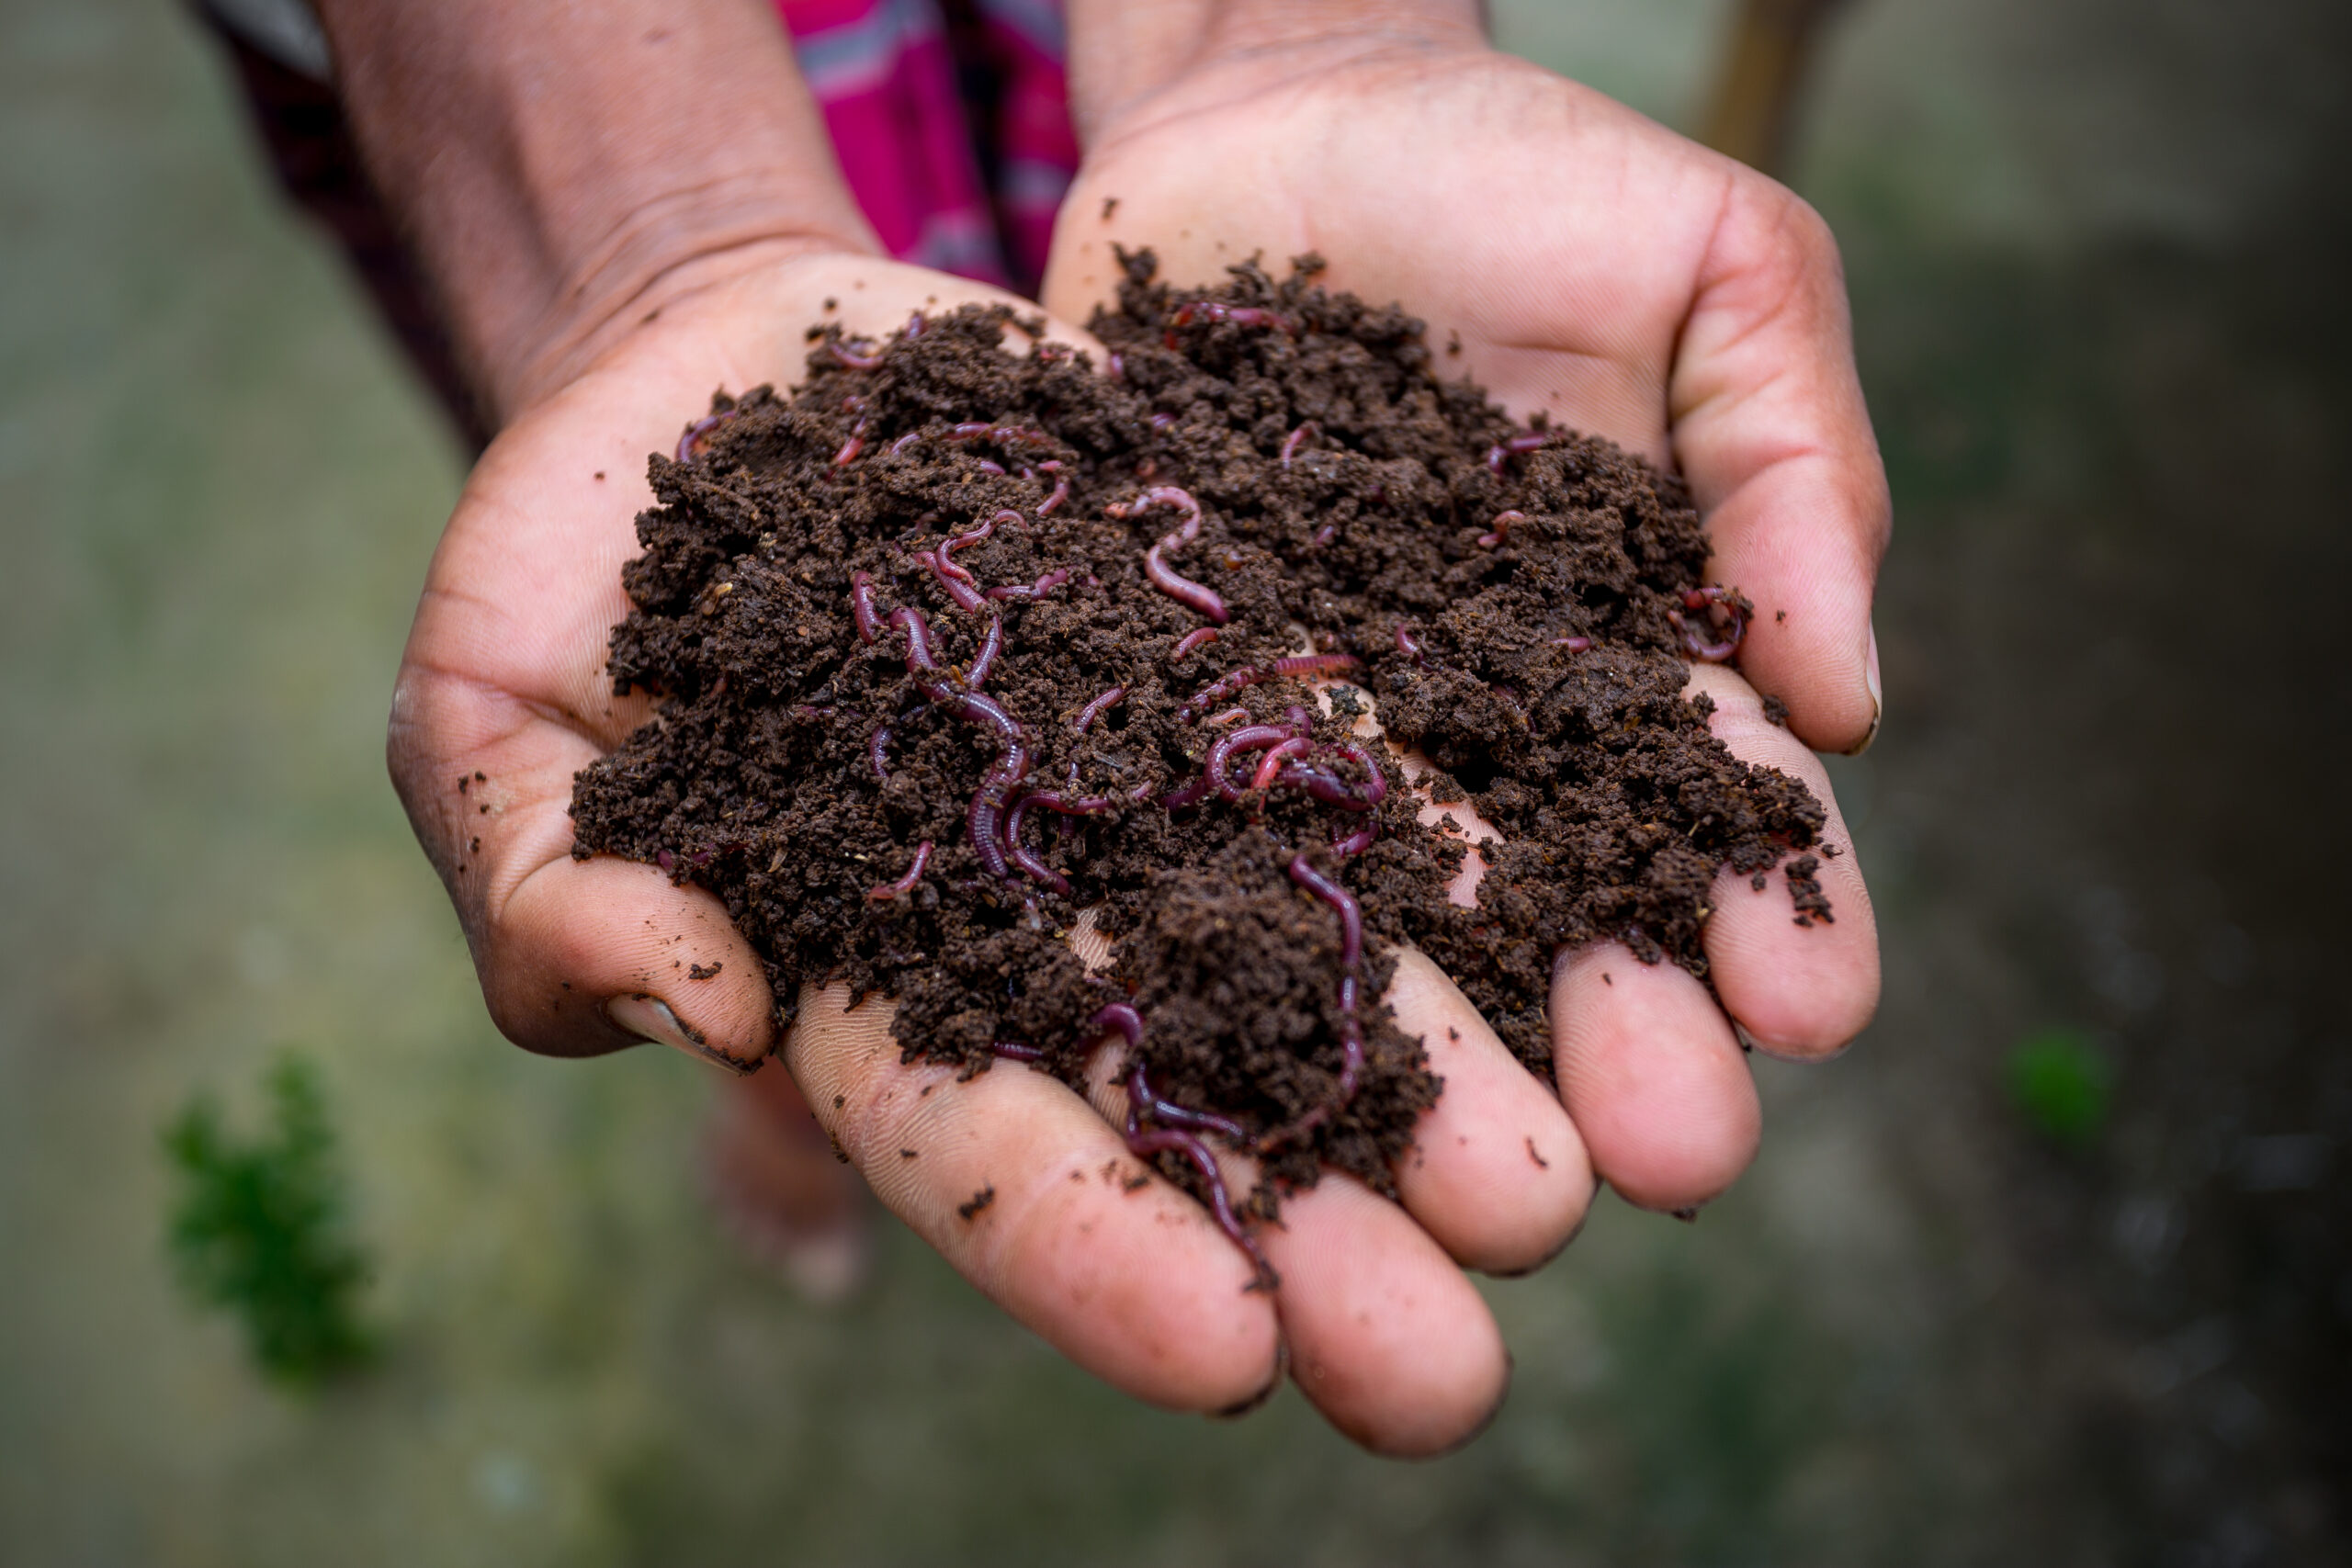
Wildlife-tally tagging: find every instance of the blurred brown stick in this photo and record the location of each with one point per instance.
(1754, 106)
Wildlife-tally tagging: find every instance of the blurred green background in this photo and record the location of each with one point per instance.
(2097, 252)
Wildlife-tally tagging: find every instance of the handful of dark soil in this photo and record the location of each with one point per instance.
(951, 646)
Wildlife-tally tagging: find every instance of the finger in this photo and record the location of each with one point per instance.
(1652, 1078)
(1385, 1334)
(1026, 1190)
(1770, 428)
(1800, 990)
(1498, 1175)
(1387, 1338)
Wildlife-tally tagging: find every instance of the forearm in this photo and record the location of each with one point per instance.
(1121, 51)
(564, 169)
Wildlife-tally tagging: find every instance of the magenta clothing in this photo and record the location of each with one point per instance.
(951, 121)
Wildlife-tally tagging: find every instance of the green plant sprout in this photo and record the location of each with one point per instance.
(258, 1229)
(2061, 1085)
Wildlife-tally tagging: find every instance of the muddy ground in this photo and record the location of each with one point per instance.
(2096, 259)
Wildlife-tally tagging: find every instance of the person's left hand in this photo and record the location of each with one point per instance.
(1597, 267)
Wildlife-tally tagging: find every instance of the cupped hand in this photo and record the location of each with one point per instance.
(1592, 266)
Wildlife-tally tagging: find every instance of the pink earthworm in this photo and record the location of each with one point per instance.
(1291, 442)
(1199, 637)
(1271, 765)
(1573, 644)
(1501, 530)
(1696, 599)
(1305, 664)
(1409, 645)
(1016, 1051)
(1350, 914)
(1144, 1142)
(1192, 794)
(1037, 589)
(1355, 844)
(898, 448)
(851, 357)
(987, 467)
(1061, 487)
(1216, 311)
(1095, 709)
(1249, 737)
(1123, 1017)
(955, 580)
(1324, 534)
(861, 606)
(1516, 446)
(984, 663)
(1044, 800)
(1142, 1097)
(970, 430)
(915, 324)
(691, 439)
(853, 446)
(1230, 715)
(1165, 577)
(975, 535)
(906, 884)
(877, 750)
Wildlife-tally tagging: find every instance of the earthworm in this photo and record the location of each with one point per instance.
(699, 429)
(952, 578)
(1249, 737)
(1230, 715)
(861, 606)
(1093, 710)
(1016, 1051)
(984, 663)
(1351, 956)
(1044, 800)
(1291, 442)
(1167, 1112)
(1411, 646)
(1324, 534)
(1061, 487)
(1037, 589)
(970, 430)
(1165, 577)
(920, 661)
(853, 446)
(987, 467)
(1271, 764)
(1355, 844)
(1333, 790)
(1123, 1017)
(1160, 422)
(1503, 519)
(898, 446)
(975, 535)
(851, 357)
(1216, 311)
(1192, 794)
(1117, 366)
(1299, 664)
(810, 710)
(914, 326)
(1198, 637)
(1144, 1143)
(906, 884)
(1518, 446)
(1699, 598)
(878, 751)
(1573, 644)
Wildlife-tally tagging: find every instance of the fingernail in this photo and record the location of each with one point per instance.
(1878, 699)
(650, 1018)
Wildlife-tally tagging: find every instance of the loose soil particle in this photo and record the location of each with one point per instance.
(1349, 496)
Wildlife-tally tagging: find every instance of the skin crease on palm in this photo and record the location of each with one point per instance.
(1643, 289)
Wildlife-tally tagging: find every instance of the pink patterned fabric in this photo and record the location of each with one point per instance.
(951, 121)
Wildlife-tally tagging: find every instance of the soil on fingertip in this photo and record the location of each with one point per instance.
(1520, 605)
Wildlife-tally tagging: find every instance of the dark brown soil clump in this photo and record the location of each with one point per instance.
(1537, 659)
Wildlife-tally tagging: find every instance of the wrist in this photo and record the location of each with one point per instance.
(564, 171)
(1124, 56)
